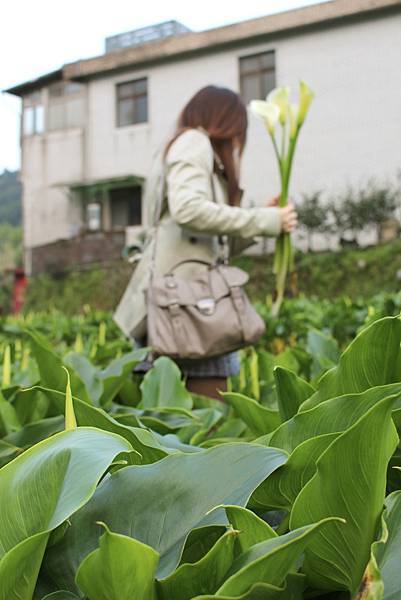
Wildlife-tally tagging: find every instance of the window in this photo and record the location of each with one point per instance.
(125, 206)
(257, 76)
(66, 105)
(132, 102)
(33, 116)
(94, 216)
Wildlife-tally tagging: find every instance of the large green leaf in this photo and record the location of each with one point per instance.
(20, 566)
(387, 551)
(36, 432)
(88, 373)
(117, 373)
(370, 360)
(291, 590)
(71, 463)
(324, 351)
(201, 577)
(120, 569)
(51, 365)
(163, 386)
(30, 405)
(291, 391)
(141, 440)
(259, 419)
(269, 561)
(207, 419)
(332, 416)
(253, 529)
(9, 421)
(337, 559)
(280, 490)
(200, 541)
(42, 488)
(61, 595)
(8, 452)
(187, 486)
(103, 385)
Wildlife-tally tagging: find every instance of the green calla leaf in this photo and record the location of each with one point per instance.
(36, 432)
(252, 529)
(117, 373)
(292, 589)
(291, 391)
(88, 373)
(163, 386)
(71, 463)
(370, 360)
(51, 365)
(9, 420)
(359, 458)
(324, 351)
(189, 488)
(120, 569)
(270, 561)
(333, 416)
(259, 419)
(61, 595)
(20, 566)
(8, 451)
(201, 577)
(144, 442)
(200, 541)
(281, 489)
(386, 552)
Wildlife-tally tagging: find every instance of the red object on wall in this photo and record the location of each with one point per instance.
(19, 287)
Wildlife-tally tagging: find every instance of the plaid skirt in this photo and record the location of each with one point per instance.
(225, 365)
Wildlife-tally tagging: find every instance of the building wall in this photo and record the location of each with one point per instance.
(352, 133)
(50, 162)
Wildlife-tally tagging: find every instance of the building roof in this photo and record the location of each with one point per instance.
(28, 86)
(262, 28)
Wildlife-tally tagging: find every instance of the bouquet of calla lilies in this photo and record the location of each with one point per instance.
(278, 113)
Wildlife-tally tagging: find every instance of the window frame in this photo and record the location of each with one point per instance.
(259, 72)
(34, 102)
(62, 99)
(133, 97)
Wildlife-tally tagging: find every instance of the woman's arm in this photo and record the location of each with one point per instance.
(189, 172)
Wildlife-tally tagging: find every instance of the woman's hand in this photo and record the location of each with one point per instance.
(289, 218)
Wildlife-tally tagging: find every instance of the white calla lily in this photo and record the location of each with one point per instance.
(306, 96)
(281, 97)
(267, 111)
(277, 107)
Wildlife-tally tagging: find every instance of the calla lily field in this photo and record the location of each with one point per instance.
(116, 486)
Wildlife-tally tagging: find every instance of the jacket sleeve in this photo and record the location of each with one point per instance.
(189, 168)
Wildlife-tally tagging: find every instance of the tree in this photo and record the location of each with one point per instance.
(312, 215)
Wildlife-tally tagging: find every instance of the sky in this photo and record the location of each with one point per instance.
(38, 37)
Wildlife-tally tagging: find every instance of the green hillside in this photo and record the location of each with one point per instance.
(10, 198)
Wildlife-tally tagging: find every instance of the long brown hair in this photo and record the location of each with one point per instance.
(223, 115)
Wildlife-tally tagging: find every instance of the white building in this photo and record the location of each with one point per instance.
(89, 129)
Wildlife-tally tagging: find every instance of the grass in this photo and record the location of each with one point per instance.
(354, 273)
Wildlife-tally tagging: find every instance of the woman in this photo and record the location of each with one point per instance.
(202, 208)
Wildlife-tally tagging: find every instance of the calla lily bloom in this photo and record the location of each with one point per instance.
(267, 111)
(306, 96)
(281, 98)
(277, 107)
